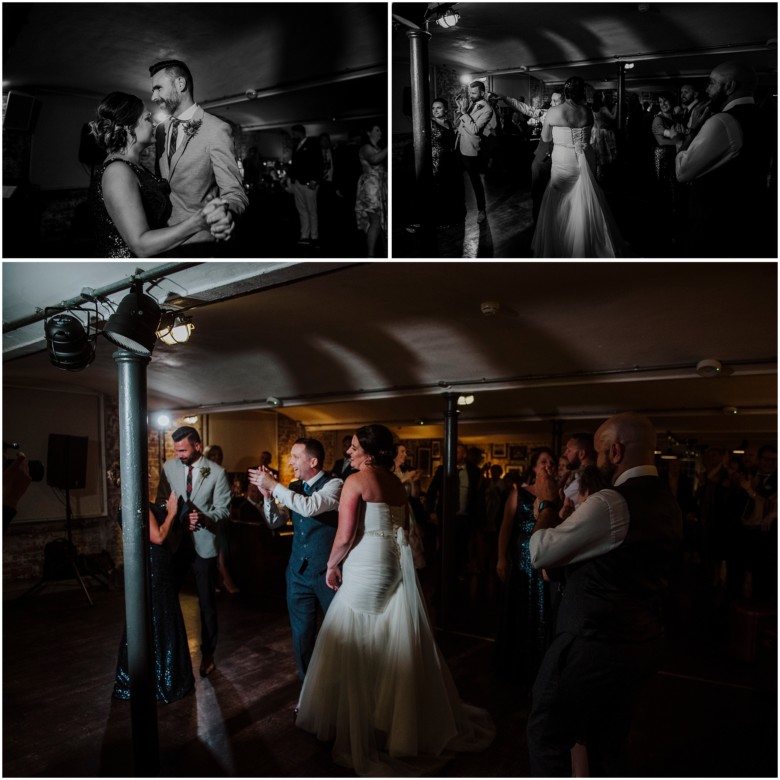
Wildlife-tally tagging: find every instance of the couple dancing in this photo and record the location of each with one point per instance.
(377, 685)
(197, 191)
(574, 218)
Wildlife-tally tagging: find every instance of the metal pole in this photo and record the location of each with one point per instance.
(621, 117)
(418, 43)
(449, 507)
(134, 460)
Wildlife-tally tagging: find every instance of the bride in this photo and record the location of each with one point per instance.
(377, 683)
(574, 218)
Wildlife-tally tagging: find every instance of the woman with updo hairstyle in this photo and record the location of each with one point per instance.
(132, 206)
(377, 686)
(574, 217)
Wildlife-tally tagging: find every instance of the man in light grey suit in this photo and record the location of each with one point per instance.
(196, 154)
(204, 501)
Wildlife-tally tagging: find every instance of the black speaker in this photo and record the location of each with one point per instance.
(21, 111)
(66, 465)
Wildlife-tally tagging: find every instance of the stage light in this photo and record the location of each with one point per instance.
(175, 328)
(134, 324)
(70, 345)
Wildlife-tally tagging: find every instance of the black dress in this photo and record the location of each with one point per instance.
(172, 662)
(155, 197)
(448, 204)
(523, 629)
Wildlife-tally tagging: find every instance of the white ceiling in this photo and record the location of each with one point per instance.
(667, 41)
(343, 344)
(323, 64)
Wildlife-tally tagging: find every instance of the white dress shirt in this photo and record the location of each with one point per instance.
(324, 500)
(595, 528)
(718, 141)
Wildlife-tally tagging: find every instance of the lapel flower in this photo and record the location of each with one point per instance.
(190, 128)
(204, 472)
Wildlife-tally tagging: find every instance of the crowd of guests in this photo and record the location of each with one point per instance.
(681, 160)
(333, 196)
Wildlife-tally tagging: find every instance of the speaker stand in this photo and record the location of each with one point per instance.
(72, 556)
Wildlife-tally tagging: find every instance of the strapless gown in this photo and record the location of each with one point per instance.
(574, 218)
(377, 684)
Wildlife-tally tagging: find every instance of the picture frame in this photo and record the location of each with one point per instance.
(436, 450)
(518, 452)
(498, 451)
(424, 460)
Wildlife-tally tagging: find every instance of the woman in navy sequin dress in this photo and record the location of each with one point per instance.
(523, 627)
(172, 661)
(131, 206)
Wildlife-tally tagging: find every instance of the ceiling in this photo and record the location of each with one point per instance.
(324, 64)
(343, 344)
(553, 41)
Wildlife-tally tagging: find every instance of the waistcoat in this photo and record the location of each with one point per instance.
(313, 536)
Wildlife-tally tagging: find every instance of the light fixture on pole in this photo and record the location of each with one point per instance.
(133, 326)
(443, 14)
(71, 346)
(175, 328)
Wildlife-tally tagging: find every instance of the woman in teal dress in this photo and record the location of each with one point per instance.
(523, 623)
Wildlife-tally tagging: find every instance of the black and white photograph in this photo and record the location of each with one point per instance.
(584, 130)
(227, 130)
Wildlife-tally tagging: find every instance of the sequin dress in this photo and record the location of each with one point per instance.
(371, 195)
(447, 177)
(172, 661)
(522, 631)
(155, 197)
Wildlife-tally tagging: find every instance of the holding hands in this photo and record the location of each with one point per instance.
(218, 218)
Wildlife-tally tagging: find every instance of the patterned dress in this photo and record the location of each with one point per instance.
(371, 195)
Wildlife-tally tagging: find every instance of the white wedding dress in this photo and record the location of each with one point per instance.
(377, 683)
(574, 218)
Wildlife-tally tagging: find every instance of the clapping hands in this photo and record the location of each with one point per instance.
(263, 480)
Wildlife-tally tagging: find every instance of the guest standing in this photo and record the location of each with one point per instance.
(172, 662)
(371, 201)
(447, 195)
(305, 176)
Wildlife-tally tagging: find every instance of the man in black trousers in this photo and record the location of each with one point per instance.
(618, 549)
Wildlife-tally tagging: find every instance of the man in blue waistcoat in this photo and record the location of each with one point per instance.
(312, 500)
(618, 549)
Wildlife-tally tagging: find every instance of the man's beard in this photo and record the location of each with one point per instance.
(574, 465)
(718, 100)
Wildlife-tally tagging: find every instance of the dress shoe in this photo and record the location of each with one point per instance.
(207, 665)
(481, 217)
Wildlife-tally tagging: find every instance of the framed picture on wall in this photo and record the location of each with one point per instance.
(436, 450)
(498, 451)
(518, 452)
(424, 460)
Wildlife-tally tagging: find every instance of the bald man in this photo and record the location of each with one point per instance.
(727, 163)
(617, 549)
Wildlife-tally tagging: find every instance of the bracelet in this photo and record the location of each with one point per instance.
(544, 504)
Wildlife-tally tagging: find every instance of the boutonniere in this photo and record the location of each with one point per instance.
(204, 472)
(190, 128)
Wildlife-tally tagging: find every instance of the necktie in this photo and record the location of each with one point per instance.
(306, 489)
(189, 481)
(172, 141)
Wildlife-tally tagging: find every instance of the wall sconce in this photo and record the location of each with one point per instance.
(175, 328)
(71, 346)
(133, 326)
(465, 400)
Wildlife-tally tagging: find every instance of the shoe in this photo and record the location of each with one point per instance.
(481, 216)
(207, 665)
(304, 241)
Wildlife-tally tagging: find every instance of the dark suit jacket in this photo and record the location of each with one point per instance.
(474, 504)
(306, 162)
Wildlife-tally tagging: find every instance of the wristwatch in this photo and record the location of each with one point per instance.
(547, 505)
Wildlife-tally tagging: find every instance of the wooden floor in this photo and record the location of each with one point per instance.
(704, 715)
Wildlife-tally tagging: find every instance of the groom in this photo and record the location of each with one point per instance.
(196, 154)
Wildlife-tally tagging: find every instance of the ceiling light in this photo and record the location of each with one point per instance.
(730, 410)
(71, 347)
(489, 308)
(191, 420)
(465, 400)
(133, 325)
(448, 19)
(273, 401)
(709, 367)
(162, 421)
(175, 328)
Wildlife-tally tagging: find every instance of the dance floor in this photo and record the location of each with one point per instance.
(705, 715)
